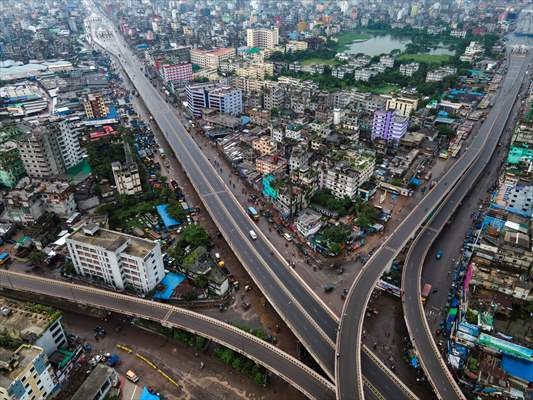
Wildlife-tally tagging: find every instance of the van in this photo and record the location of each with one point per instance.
(253, 235)
(287, 236)
(132, 377)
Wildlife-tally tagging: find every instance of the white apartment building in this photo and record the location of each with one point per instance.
(440, 73)
(363, 74)
(387, 61)
(409, 69)
(117, 259)
(404, 106)
(472, 52)
(262, 38)
(25, 374)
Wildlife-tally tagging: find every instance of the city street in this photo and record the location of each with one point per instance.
(214, 381)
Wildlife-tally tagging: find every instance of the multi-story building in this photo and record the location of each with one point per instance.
(98, 384)
(403, 106)
(127, 178)
(409, 69)
(299, 159)
(472, 52)
(440, 73)
(25, 374)
(40, 152)
(49, 150)
(363, 74)
(255, 70)
(308, 222)
(39, 328)
(11, 166)
(344, 178)
(94, 106)
(226, 100)
(270, 164)
(120, 261)
(262, 38)
(31, 198)
(176, 73)
(273, 97)
(296, 45)
(387, 61)
(389, 126)
(211, 58)
(222, 98)
(294, 132)
(264, 145)
(69, 143)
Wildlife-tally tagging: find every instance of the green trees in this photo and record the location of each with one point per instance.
(195, 235)
(325, 199)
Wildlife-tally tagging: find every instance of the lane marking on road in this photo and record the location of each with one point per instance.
(134, 391)
(167, 315)
(213, 193)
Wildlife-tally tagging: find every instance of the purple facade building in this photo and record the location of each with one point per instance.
(389, 126)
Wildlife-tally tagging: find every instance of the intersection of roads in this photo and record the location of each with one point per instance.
(351, 370)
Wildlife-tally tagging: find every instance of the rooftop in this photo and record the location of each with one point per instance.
(23, 356)
(93, 383)
(93, 235)
(23, 320)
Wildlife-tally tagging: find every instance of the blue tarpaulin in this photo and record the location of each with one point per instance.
(146, 395)
(518, 367)
(165, 216)
(170, 282)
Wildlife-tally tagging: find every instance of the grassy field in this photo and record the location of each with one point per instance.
(344, 39)
(384, 89)
(325, 61)
(426, 58)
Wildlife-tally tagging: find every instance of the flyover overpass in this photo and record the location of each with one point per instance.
(297, 374)
(442, 381)
(313, 323)
(348, 363)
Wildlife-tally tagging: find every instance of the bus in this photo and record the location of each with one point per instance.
(252, 212)
(72, 219)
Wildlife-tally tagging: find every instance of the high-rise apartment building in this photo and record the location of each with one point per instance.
(219, 97)
(389, 126)
(117, 259)
(41, 153)
(49, 150)
(262, 38)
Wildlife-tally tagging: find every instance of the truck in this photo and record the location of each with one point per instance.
(426, 290)
(113, 360)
